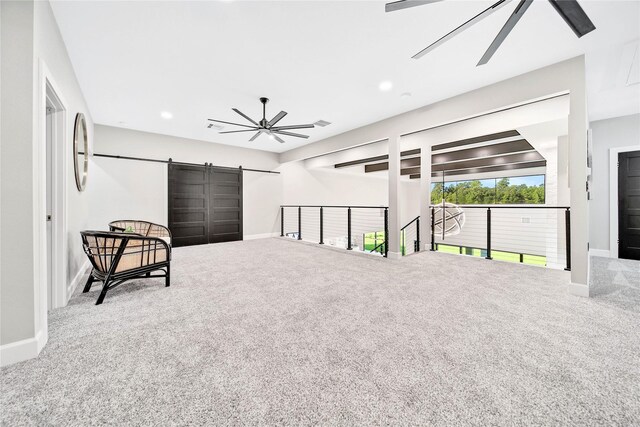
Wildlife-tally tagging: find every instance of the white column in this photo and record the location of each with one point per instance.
(394, 198)
(578, 125)
(425, 195)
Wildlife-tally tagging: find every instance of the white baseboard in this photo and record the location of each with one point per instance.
(556, 266)
(260, 236)
(71, 288)
(22, 350)
(578, 289)
(394, 255)
(605, 253)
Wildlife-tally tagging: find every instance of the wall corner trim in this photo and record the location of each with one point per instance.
(20, 351)
(578, 289)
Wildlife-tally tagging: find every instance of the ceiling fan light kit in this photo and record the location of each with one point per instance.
(264, 126)
(570, 11)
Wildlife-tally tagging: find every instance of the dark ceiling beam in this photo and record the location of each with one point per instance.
(531, 156)
(484, 151)
(375, 159)
(485, 170)
(476, 140)
(517, 161)
(410, 171)
(404, 163)
(361, 161)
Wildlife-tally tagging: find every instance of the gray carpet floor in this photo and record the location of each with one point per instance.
(275, 332)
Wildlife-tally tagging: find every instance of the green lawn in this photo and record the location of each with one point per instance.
(496, 255)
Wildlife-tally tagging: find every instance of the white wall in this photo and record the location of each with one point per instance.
(127, 189)
(607, 134)
(322, 186)
(31, 45)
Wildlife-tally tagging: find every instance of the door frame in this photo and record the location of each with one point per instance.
(613, 196)
(50, 90)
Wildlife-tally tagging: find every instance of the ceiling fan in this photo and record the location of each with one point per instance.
(264, 126)
(569, 10)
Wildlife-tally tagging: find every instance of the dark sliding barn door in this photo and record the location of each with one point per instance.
(629, 205)
(225, 205)
(205, 204)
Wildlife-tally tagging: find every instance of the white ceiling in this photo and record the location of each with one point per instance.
(314, 59)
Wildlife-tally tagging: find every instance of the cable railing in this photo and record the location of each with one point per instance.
(410, 237)
(359, 228)
(526, 234)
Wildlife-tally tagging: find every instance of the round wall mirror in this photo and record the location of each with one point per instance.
(80, 151)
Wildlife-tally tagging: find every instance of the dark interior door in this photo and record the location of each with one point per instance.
(629, 205)
(205, 204)
(188, 205)
(225, 205)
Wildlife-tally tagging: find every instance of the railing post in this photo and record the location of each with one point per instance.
(386, 232)
(299, 222)
(567, 225)
(417, 245)
(281, 221)
(433, 229)
(488, 234)
(349, 229)
(321, 226)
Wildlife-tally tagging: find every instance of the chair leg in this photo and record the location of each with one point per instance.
(105, 288)
(87, 286)
(168, 276)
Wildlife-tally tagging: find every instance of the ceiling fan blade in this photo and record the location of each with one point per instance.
(277, 118)
(229, 123)
(297, 135)
(488, 11)
(293, 127)
(506, 29)
(243, 130)
(245, 116)
(574, 16)
(280, 140)
(255, 136)
(404, 4)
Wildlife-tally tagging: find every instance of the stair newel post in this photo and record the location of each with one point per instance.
(321, 226)
(488, 234)
(349, 229)
(386, 232)
(567, 244)
(281, 221)
(417, 248)
(299, 222)
(433, 229)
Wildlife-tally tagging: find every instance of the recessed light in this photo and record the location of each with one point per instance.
(385, 86)
(271, 137)
(166, 115)
(405, 95)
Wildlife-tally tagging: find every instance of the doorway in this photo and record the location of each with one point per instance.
(205, 204)
(54, 197)
(629, 205)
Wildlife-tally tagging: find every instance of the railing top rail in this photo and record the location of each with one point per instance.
(410, 222)
(506, 206)
(335, 206)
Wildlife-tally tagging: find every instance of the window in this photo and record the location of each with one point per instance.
(507, 190)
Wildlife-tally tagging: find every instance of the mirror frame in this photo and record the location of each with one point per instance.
(80, 131)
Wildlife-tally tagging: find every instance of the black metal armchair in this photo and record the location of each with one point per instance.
(117, 257)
